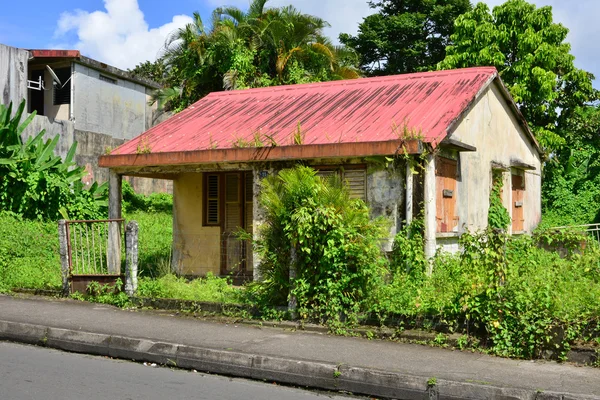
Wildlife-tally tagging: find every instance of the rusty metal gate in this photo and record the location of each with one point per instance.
(95, 249)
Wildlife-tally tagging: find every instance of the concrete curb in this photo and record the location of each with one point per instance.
(296, 372)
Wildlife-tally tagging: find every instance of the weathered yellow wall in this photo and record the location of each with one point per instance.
(492, 127)
(196, 249)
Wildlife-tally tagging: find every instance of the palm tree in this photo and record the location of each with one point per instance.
(259, 47)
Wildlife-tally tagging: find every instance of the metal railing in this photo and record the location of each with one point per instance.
(89, 246)
(593, 230)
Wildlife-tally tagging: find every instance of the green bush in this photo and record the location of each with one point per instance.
(36, 184)
(155, 202)
(210, 288)
(522, 299)
(313, 224)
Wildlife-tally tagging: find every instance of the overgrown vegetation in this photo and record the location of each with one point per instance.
(209, 288)
(516, 297)
(325, 238)
(35, 183)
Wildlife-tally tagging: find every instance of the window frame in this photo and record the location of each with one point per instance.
(65, 91)
(440, 196)
(520, 210)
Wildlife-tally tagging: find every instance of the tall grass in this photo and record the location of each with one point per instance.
(29, 255)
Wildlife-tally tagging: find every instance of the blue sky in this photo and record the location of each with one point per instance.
(126, 32)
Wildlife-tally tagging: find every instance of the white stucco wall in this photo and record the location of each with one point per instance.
(117, 109)
(494, 130)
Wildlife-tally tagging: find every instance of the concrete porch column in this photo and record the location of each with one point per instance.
(429, 210)
(114, 228)
(258, 219)
(409, 192)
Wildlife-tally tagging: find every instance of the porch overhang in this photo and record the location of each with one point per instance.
(135, 163)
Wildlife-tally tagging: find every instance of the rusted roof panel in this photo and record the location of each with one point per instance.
(422, 106)
(55, 53)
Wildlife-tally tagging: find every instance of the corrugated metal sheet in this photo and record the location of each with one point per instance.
(55, 53)
(352, 111)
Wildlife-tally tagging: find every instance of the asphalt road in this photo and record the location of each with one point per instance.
(28, 372)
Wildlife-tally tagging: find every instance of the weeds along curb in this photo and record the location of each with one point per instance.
(290, 371)
(578, 355)
(582, 355)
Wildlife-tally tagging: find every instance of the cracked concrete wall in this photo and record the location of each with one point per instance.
(385, 197)
(13, 75)
(494, 130)
(118, 109)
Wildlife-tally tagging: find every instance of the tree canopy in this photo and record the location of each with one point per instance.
(245, 49)
(533, 59)
(405, 35)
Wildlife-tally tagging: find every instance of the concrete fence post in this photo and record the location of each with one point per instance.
(64, 255)
(114, 228)
(131, 257)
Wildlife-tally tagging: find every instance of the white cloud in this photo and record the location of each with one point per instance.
(118, 36)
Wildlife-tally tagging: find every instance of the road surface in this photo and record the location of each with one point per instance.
(29, 372)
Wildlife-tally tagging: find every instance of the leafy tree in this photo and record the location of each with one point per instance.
(405, 35)
(36, 184)
(571, 184)
(534, 60)
(153, 71)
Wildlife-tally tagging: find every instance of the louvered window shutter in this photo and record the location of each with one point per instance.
(356, 179)
(212, 199)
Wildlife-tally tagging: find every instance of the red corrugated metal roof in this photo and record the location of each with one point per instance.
(350, 111)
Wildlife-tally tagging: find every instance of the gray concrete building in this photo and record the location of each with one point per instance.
(79, 99)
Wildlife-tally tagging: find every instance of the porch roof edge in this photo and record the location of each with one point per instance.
(262, 154)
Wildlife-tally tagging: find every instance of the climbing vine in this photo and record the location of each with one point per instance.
(498, 217)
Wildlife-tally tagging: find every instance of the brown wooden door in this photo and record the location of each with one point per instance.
(446, 173)
(237, 216)
(232, 246)
(248, 218)
(518, 197)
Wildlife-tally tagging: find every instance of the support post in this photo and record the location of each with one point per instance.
(258, 218)
(430, 211)
(64, 255)
(292, 300)
(409, 192)
(114, 228)
(131, 257)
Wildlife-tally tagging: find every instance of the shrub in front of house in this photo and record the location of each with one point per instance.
(314, 228)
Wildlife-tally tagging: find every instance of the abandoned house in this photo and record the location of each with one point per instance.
(426, 145)
(79, 99)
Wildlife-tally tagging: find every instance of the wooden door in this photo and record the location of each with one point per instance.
(446, 171)
(248, 218)
(518, 197)
(232, 246)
